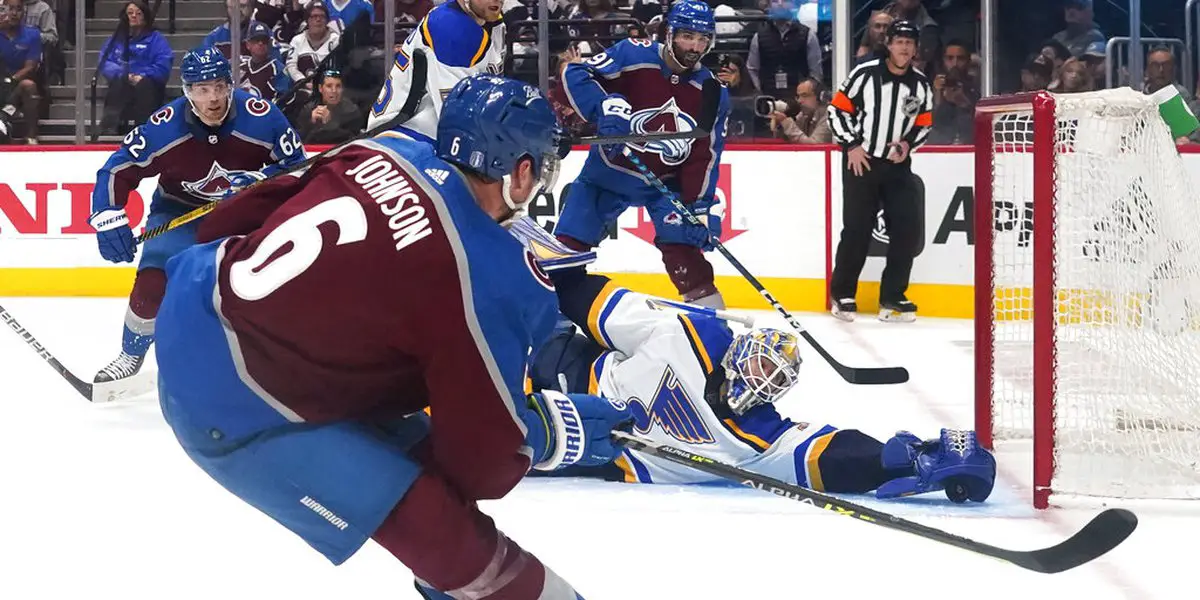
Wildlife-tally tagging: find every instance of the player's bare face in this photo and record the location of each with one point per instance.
(688, 47)
(210, 100)
(488, 10)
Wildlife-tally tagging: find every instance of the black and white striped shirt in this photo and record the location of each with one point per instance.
(874, 108)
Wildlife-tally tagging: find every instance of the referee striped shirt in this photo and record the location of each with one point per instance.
(874, 108)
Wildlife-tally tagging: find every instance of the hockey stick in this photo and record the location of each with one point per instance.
(415, 94)
(80, 386)
(724, 315)
(1103, 533)
(859, 375)
(710, 94)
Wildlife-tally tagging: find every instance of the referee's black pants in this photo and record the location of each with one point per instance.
(889, 186)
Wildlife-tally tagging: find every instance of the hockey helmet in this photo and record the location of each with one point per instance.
(489, 123)
(205, 63)
(690, 15)
(761, 366)
(903, 29)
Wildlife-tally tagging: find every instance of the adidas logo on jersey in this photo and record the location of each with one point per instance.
(438, 175)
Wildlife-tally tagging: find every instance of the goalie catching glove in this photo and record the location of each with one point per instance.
(573, 429)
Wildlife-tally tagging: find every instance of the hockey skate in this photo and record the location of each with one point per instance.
(897, 311)
(844, 309)
(122, 378)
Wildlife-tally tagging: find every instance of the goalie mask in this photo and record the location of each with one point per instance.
(761, 367)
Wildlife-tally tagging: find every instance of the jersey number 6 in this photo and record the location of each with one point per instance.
(251, 280)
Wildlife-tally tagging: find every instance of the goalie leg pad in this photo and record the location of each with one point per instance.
(954, 462)
(850, 463)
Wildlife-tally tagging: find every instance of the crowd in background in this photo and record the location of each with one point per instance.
(323, 60)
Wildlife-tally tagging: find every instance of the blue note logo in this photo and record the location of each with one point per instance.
(212, 187)
(673, 411)
(667, 118)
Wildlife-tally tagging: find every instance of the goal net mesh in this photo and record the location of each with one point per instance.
(1126, 271)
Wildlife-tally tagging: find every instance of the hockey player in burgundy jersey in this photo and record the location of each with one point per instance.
(298, 348)
(198, 145)
(638, 86)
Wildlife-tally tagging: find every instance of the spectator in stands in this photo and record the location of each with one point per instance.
(136, 63)
(342, 18)
(309, 48)
(811, 122)
(284, 17)
(20, 56)
(1035, 74)
(1160, 73)
(874, 39)
(929, 44)
(1075, 76)
(956, 57)
(1081, 28)
(731, 70)
(330, 118)
(954, 115)
(596, 11)
(1097, 62)
(263, 71)
(407, 11)
(39, 15)
(783, 52)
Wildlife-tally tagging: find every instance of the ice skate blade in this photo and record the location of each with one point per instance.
(124, 389)
(891, 316)
(843, 315)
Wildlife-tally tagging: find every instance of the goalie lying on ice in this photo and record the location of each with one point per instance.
(693, 383)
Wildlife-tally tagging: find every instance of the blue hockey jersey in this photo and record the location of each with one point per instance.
(662, 101)
(195, 162)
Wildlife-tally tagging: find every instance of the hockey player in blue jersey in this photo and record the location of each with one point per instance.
(638, 86)
(301, 339)
(200, 146)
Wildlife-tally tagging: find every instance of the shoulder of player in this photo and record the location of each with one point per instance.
(454, 36)
(254, 110)
(167, 123)
(708, 338)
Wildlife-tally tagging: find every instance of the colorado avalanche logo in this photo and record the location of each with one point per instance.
(211, 187)
(162, 116)
(256, 106)
(538, 272)
(667, 118)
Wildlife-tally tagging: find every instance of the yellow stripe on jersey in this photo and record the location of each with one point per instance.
(425, 35)
(483, 46)
(626, 468)
(598, 305)
(594, 376)
(697, 344)
(528, 384)
(812, 461)
(746, 437)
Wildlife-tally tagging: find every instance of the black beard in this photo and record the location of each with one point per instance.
(688, 59)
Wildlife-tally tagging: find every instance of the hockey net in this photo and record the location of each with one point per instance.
(1088, 294)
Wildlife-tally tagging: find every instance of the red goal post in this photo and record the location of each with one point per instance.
(1087, 294)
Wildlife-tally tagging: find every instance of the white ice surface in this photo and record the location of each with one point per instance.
(98, 501)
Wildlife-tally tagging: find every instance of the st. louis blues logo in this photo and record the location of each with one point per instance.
(673, 411)
(667, 118)
(211, 187)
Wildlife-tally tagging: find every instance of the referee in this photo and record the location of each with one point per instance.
(880, 114)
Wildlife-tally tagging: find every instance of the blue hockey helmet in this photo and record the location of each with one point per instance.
(489, 123)
(690, 15)
(204, 63)
(761, 366)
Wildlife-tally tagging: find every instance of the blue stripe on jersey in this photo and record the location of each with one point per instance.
(802, 462)
(456, 39)
(710, 338)
(639, 469)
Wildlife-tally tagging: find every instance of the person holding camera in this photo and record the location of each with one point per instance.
(808, 123)
(882, 112)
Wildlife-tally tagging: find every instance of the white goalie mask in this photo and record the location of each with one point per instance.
(761, 366)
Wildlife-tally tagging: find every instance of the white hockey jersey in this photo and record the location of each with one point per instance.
(305, 56)
(455, 47)
(665, 364)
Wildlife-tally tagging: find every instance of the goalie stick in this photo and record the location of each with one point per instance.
(1103, 533)
(80, 386)
(420, 66)
(858, 375)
